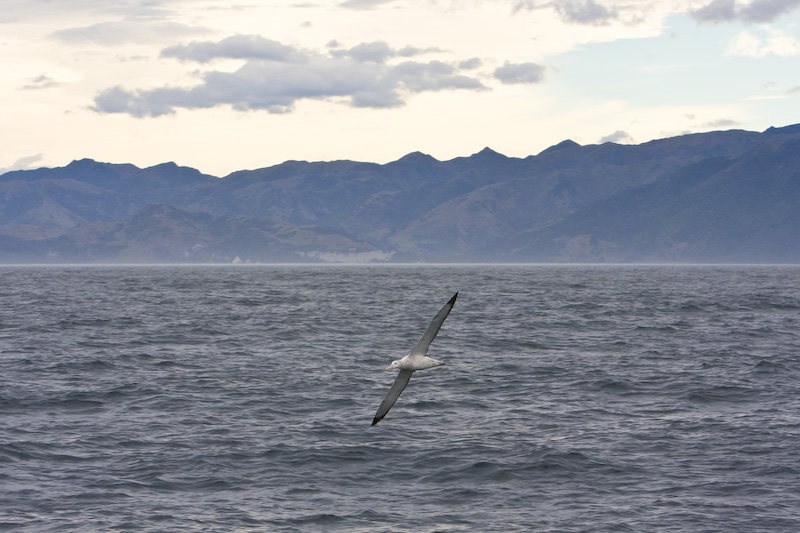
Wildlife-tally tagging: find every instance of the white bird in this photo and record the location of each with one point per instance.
(416, 360)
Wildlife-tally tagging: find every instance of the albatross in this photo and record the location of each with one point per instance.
(416, 360)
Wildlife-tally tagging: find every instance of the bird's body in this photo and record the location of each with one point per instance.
(416, 360)
(419, 362)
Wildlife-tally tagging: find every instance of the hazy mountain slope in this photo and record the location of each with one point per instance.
(48, 207)
(364, 198)
(546, 188)
(54, 200)
(743, 208)
(162, 233)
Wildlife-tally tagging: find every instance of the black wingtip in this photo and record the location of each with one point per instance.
(453, 299)
(375, 421)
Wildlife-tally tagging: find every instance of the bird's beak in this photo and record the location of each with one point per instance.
(387, 368)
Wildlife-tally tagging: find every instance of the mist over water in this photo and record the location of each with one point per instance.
(575, 398)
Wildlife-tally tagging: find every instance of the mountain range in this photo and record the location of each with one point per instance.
(724, 196)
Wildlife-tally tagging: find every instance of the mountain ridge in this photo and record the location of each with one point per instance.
(553, 206)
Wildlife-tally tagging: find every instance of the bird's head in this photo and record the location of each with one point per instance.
(395, 364)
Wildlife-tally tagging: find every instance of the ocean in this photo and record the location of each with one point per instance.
(240, 398)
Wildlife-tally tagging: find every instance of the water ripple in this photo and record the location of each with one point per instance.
(575, 398)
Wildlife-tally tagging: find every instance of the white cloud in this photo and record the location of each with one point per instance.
(775, 43)
(17, 10)
(121, 32)
(619, 137)
(23, 163)
(746, 44)
(767, 97)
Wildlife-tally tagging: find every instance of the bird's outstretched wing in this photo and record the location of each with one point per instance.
(394, 393)
(427, 338)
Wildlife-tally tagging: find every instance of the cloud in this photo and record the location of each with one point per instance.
(257, 47)
(432, 76)
(274, 77)
(41, 82)
(363, 4)
(716, 11)
(585, 12)
(760, 11)
(746, 44)
(720, 123)
(25, 10)
(138, 104)
(23, 163)
(767, 97)
(756, 12)
(618, 137)
(470, 64)
(234, 47)
(519, 73)
(125, 31)
(409, 51)
(776, 43)
(378, 52)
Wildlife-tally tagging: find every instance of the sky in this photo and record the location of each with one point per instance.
(224, 85)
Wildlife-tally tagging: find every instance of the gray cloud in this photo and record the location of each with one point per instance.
(760, 11)
(523, 4)
(716, 11)
(41, 82)
(274, 79)
(378, 52)
(756, 12)
(125, 31)
(409, 51)
(234, 47)
(363, 4)
(138, 104)
(470, 64)
(519, 73)
(433, 76)
(720, 123)
(585, 12)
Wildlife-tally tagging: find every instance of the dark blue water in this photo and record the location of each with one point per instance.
(575, 398)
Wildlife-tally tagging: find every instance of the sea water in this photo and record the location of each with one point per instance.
(575, 398)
